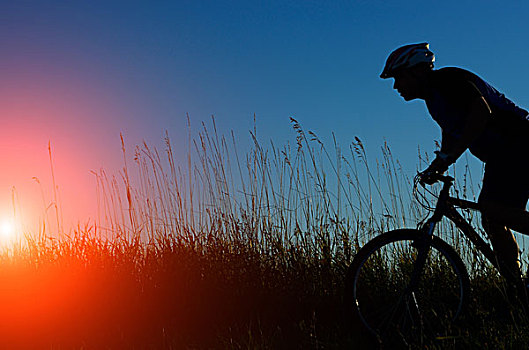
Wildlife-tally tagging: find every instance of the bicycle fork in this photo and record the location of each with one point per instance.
(422, 245)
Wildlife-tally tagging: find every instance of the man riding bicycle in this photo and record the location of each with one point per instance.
(475, 116)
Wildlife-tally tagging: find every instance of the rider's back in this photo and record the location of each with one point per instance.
(454, 89)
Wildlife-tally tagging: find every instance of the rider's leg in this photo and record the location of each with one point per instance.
(515, 218)
(505, 247)
(503, 198)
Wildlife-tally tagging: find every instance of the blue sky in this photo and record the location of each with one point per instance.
(91, 70)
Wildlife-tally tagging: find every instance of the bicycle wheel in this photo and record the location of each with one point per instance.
(380, 291)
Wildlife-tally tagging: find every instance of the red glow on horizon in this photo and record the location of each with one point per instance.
(38, 109)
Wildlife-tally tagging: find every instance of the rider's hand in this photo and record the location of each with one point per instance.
(438, 167)
(428, 177)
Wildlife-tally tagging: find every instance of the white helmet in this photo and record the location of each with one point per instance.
(406, 57)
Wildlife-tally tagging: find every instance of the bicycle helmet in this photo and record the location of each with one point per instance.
(407, 56)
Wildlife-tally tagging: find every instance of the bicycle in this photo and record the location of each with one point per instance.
(410, 281)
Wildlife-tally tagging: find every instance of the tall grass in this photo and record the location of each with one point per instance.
(232, 249)
(298, 195)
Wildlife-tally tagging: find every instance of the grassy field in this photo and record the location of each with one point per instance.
(234, 250)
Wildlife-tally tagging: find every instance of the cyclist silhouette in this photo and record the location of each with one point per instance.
(475, 116)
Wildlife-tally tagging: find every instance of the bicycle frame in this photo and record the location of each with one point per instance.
(410, 305)
(446, 207)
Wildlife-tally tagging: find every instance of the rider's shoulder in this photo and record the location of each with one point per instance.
(453, 73)
(454, 80)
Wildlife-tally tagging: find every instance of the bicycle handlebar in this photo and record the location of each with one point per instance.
(435, 177)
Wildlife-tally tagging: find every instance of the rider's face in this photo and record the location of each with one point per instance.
(407, 85)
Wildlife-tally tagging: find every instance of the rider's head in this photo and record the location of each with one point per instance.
(409, 66)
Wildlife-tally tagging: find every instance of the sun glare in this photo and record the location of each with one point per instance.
(7, 230)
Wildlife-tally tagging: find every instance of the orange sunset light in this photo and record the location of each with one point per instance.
(39, 109)
(7, 230)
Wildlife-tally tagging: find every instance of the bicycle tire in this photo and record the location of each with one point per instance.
(377, 279)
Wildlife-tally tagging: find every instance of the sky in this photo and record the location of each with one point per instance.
(74, 75)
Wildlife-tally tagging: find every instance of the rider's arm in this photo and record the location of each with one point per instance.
(477, 118)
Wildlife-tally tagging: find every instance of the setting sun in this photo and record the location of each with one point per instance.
(6, 230)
